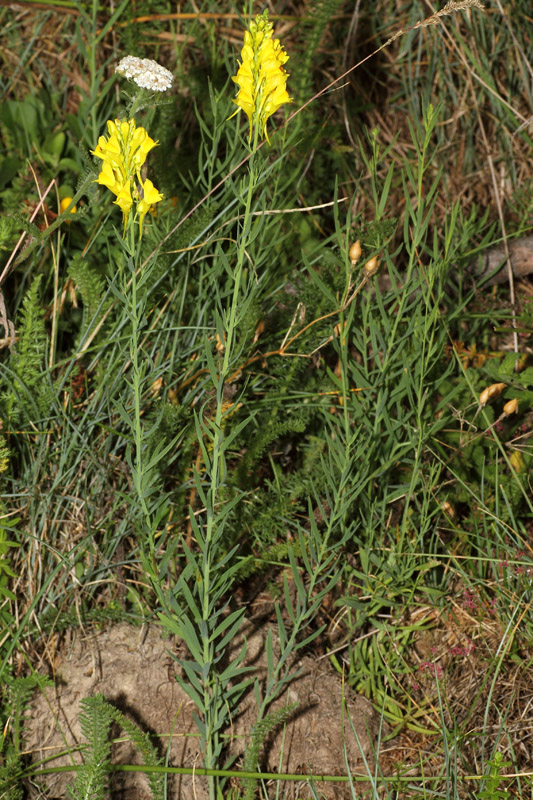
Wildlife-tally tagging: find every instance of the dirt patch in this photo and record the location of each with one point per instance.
(134, 669)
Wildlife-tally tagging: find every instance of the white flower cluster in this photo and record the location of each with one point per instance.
(145, 73)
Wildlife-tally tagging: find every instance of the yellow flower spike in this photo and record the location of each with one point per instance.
(123, 153)
(261, 79)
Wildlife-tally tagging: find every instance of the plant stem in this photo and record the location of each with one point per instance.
(218, 468)
(135, 312)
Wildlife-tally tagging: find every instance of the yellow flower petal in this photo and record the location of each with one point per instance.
(150, 196)
(125, 128)
(124, 201)
(107, 177)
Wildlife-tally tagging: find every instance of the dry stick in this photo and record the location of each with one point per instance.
(348, 52)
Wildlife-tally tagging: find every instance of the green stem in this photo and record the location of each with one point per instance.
(211, 685)
(137, 384)
(271, 776)
(91, 49)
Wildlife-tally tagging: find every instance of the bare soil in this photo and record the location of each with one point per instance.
(135, 669)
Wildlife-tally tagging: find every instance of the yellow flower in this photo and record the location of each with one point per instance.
(123, 153)
(141, 144)
(149, 198)
(66, 201)
(124, 201)
(110, 177)
(261, 79)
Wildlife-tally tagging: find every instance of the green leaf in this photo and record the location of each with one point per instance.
(9, 166)
(525, 378)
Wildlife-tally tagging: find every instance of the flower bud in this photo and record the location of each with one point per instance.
(511, 407)
(156, 387)
(448, 509)
(371, 267)
(259, 330)
(355, 252)
(492, 391)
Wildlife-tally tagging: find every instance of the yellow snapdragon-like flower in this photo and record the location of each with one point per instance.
(261, 78)
(124, 201)
(150, 196)
(123, 153)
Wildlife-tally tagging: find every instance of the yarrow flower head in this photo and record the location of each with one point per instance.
(123, 153)
(145, 73)
(261, 78)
